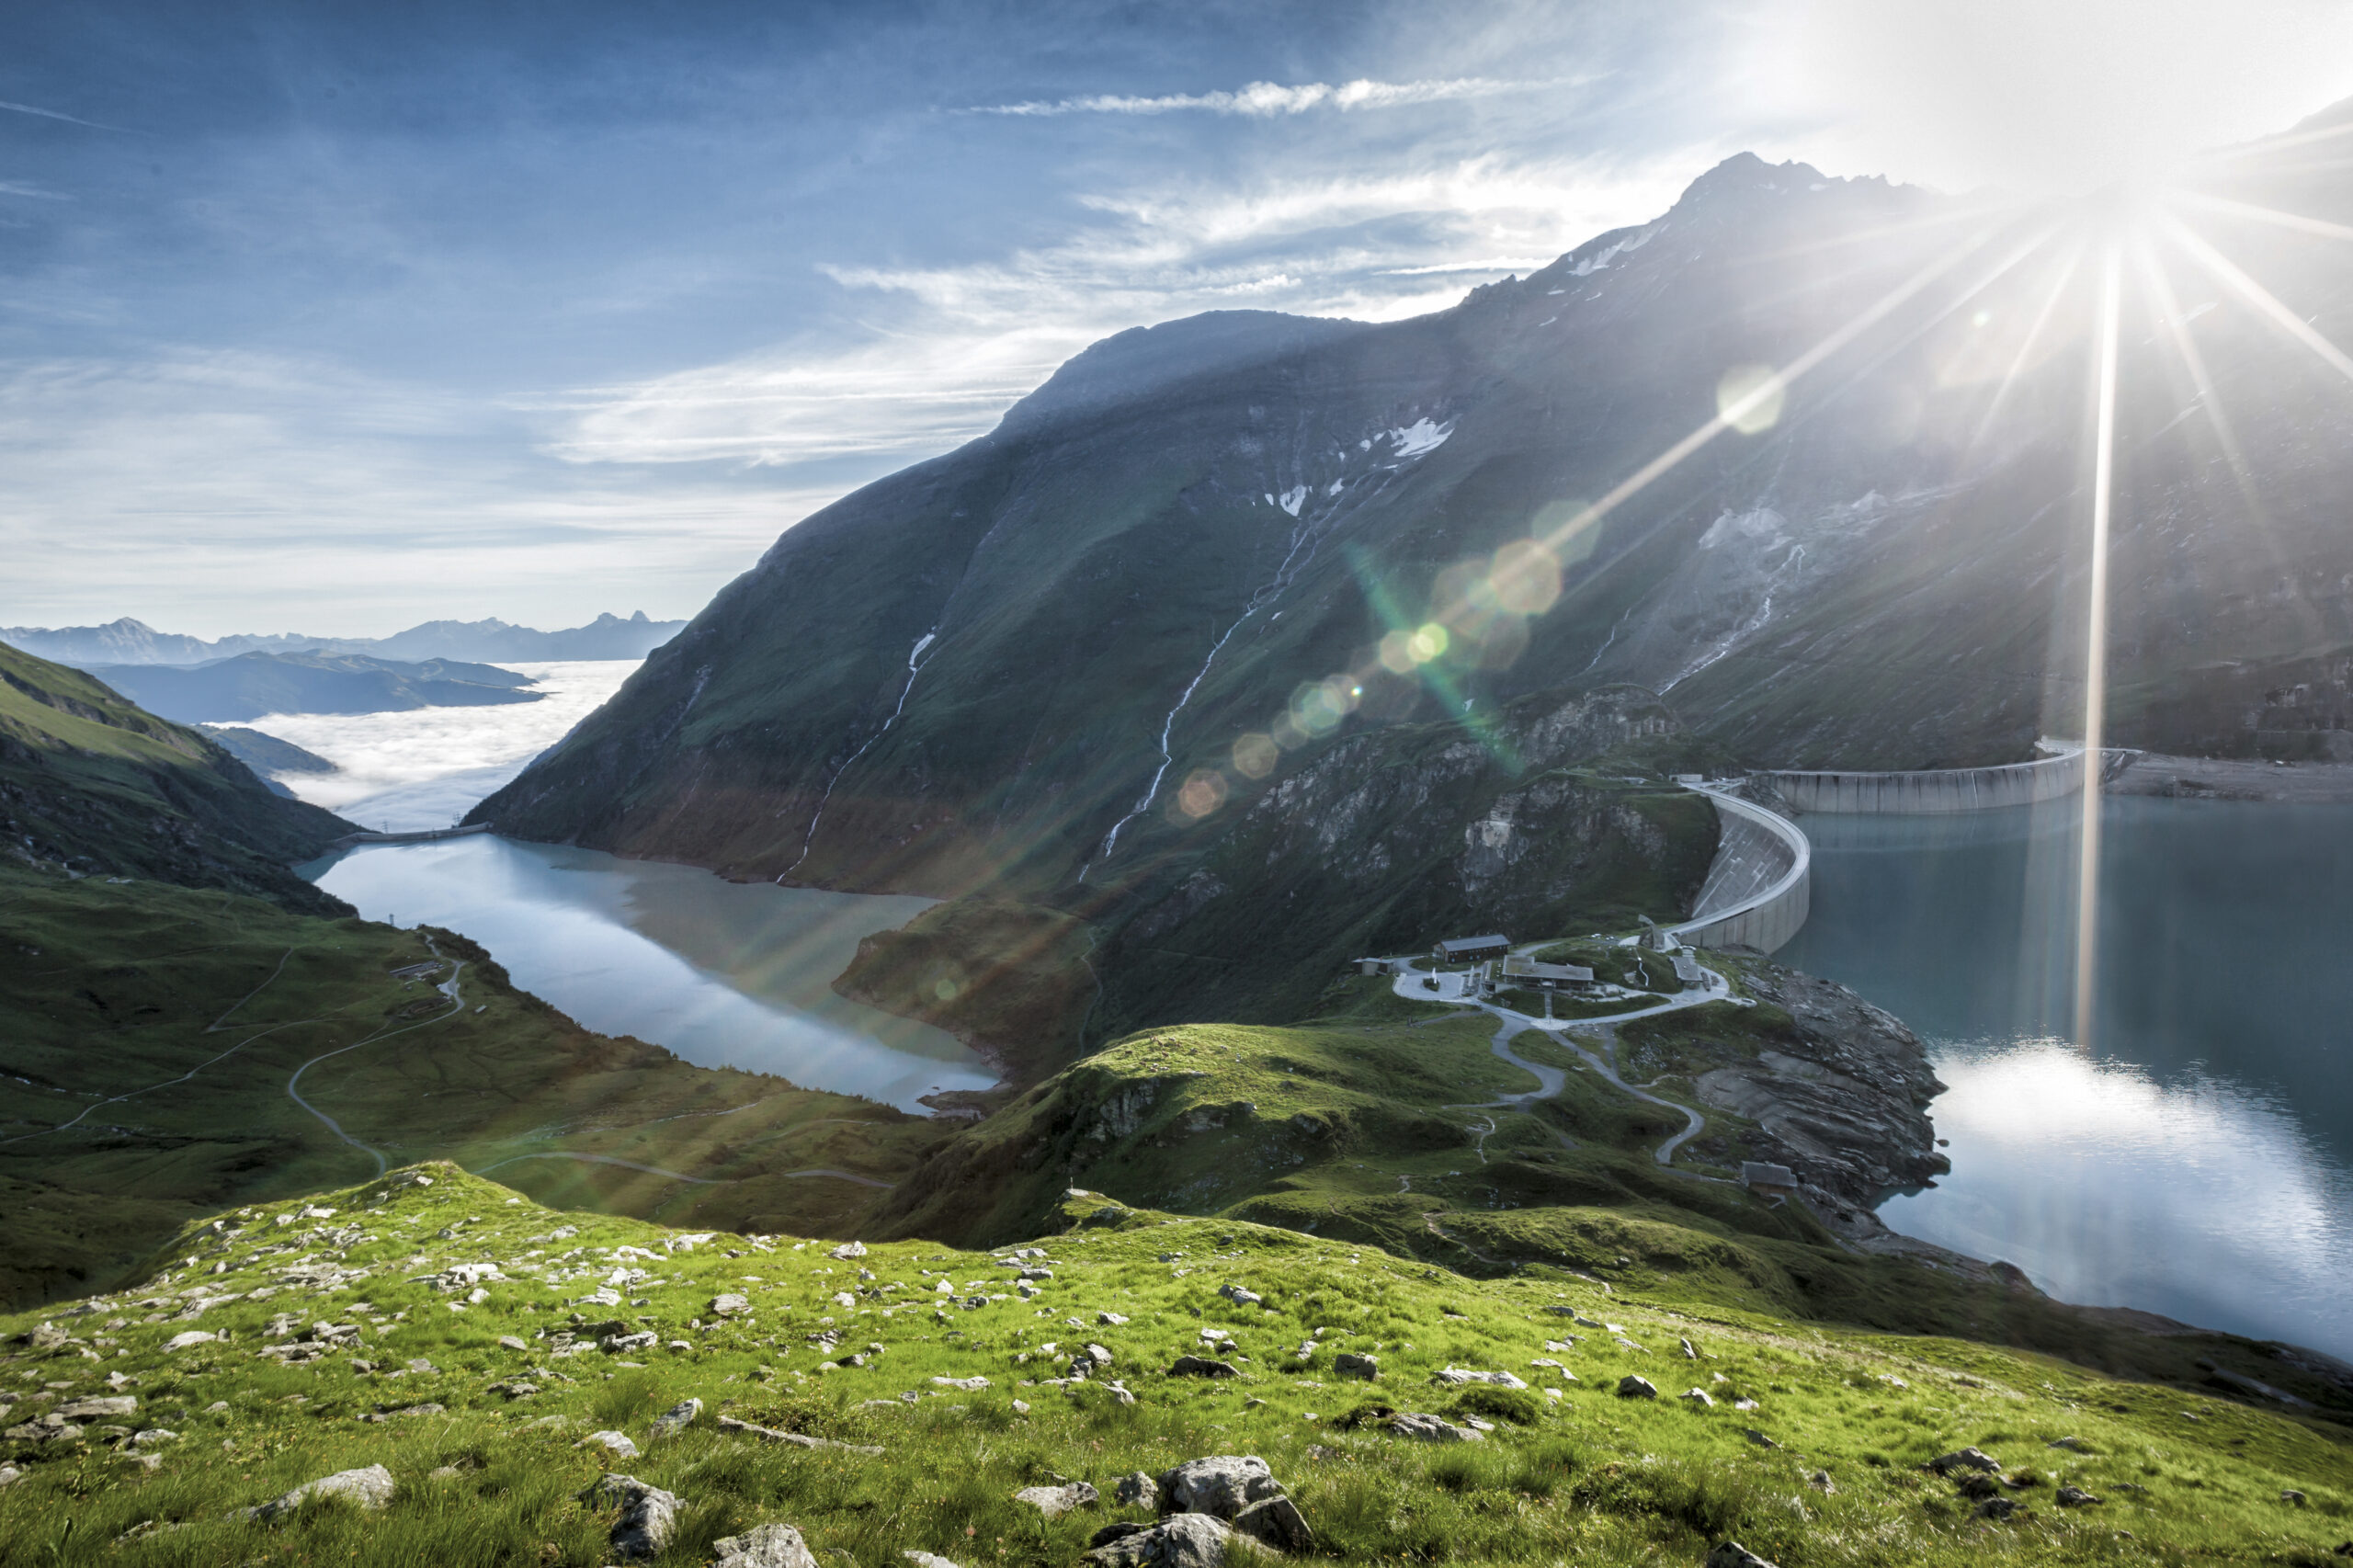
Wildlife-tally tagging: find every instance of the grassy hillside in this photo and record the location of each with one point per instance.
(344, 1340)
(150, 1037)
(93, 784)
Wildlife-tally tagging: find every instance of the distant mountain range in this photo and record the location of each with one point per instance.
(128, 642)
(250, 685)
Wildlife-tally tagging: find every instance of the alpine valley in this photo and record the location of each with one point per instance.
(1245, 648)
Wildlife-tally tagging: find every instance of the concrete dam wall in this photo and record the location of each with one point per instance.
(1944, 789)
(1759, 886)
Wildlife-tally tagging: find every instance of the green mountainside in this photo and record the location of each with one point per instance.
(100, 787)
(500, 1363)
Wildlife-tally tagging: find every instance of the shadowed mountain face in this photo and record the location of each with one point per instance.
(999, 669)
(93, 784)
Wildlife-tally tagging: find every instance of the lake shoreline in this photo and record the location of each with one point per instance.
(2164, 777)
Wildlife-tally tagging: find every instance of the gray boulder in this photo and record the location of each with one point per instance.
(1055, 1501)
(1632, 1387)
(97, 1409)
(1432, 1429)
(678, 1418)
(1222, 1485)
(1200, 1366)
(1276, 1522)
(1456, 1376)
(1995, 1508)
(1349, 1364)
(1964, 1459)
(769, 1546)
(649, 1515)
(925, 1558)
(1732, 1554)
(615, 1443)
(2076, 1498)
(370, 1489)
(1181, 1540)
(1137, 1490)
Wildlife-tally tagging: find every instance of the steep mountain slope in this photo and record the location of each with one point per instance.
(997, 669)
(96, 785)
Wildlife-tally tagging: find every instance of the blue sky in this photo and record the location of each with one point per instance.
(333, 318)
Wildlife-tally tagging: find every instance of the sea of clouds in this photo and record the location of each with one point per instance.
(402, 772)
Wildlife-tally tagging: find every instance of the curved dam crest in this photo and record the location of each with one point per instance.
(1759, 890)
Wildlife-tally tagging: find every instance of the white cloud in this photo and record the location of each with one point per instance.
(960, 343)
(1264, 100)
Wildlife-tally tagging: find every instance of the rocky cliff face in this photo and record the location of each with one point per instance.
(1842, 1099)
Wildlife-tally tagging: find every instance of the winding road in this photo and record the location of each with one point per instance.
(1713, 987)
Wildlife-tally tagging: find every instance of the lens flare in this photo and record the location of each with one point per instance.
(1526, 578)
(1204, 793)
(1749, 398)
(1255, 755)
(1427, 642)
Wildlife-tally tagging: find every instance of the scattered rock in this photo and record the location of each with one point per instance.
(1688, 1352)
(1759, 1439)
(795, 1439)
(1820, 1480)
(1349, 1364)
(1732, 1554)
(730, 1304)
(848, 1250)
(1632, 1387)
(649, 1515)
(1455, 1377)
(2294, 1498)
(1117, 1529)
(1240, 1297)
(969, 1385)
(1964, 1459)
(96, 1409)
(1182, 1541)
(2073, 1445)
(508, 1342)
(1224, 1485)
(1431, 1429)
(1697, 1396)
(678, 1418)
(617, 1444)
(2076, 1498)
(1136, 1490)
(1276, 1522)
(1109, 1320)
(1055, 1501)
(190, 1340)
(1995, 1508)
(623, 1344)
(1199, 1367)
(925, 1558)
(370, 1489)
(768, 1546)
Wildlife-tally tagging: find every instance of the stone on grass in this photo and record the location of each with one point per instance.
(509, 1342)
(1455, 1377)
(1432, 1429)
(969, 1385)
(730, 1304)
(1964, 1459)
(617, 1444)
(190, 1340)
(678, 1418)
(1995, 1508)
(1820, 1480)
(1055, 1501)
(925, 1558)
(849, 1249)
(1759, 1439)
(649, 1515)
(370, 1488)
(1632, 1387)
(97, 1409)
(1181, 1540)
(2073, 1445)
(1200, 1366)
(1697, 1396)
(798, 1439)
(1224, 1484)
(2294, 1498)
(10, 1476)
(1276, 1522)
(1137, 1490)
(768, 1546)
(1349, 1364)
(2075, 1498)
(1732, 1554)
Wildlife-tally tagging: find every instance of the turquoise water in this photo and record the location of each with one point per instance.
(724, 973)
(2194, 1155)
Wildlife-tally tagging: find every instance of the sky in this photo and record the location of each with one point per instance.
(335, 317)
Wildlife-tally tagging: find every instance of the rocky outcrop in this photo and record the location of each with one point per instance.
(1841, 1098)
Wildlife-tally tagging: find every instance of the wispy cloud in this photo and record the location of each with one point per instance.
(52, 114)
(1265, 100)
(950, 347)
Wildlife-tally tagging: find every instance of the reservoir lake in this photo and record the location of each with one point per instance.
(2194, 1157)
(723, 974)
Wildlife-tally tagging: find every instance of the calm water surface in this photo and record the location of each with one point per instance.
(2195, 1156)
(723, 974)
